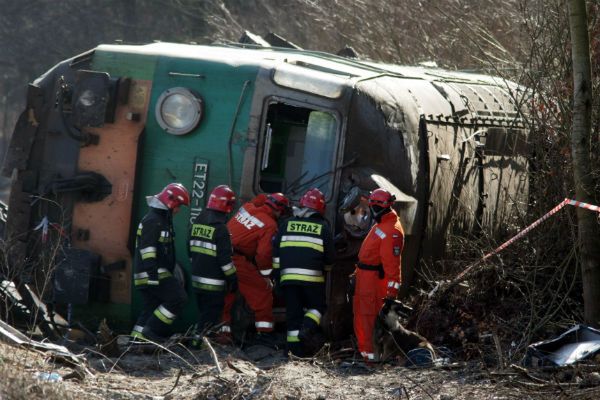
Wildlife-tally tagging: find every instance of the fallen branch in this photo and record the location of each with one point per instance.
(176, 382)
(233, 367)
(525, 372)
(213, 354)
(417, 384)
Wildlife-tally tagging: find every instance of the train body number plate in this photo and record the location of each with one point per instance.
(199, 186)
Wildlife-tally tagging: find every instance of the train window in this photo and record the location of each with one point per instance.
(299, 150)
(505, 142)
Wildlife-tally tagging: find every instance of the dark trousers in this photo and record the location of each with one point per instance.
(210, 309)
(304, 308)
(160, 306)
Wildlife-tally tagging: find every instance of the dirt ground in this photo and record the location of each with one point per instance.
(260, 372)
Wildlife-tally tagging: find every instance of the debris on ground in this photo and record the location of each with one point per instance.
(576, 344)
(177, 372)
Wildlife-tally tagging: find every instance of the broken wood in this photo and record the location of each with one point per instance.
(107, 340)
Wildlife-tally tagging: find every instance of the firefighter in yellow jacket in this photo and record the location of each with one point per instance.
(302, 252)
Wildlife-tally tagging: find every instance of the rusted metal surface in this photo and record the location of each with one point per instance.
(114, 157)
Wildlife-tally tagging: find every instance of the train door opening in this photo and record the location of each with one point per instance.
(299, 150)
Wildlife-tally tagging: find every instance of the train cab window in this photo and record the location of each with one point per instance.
(299, 150)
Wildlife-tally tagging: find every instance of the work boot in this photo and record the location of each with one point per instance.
(368, 362)
(269, 339)
(306, 332)
(197, 342)
(151, 336)
(138, 343)
(223, 338)
(312, 340)
(295, 349)
(135, 337)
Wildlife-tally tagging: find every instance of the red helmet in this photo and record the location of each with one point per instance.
(278, 202)
(381, 198)
(314, 199)
(174, 195)
(259, 200)
(221, 199)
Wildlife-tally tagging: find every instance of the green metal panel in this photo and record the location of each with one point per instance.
(134, 66)
(167, 158)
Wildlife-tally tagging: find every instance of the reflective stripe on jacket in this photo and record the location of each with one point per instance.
(154, 257)
(210, 251)
(302, 249)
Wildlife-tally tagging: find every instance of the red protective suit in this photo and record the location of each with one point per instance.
(252, 230)
(377, 277)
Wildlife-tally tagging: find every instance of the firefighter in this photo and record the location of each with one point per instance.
(252, 230)
(302, 251)
(163, 296)
(213, 273)
(378, 269)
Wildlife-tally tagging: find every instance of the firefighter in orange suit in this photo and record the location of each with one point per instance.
(252, 230)
(378, 268)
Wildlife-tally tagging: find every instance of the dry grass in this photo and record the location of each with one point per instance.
(18, 370)
(183, 374)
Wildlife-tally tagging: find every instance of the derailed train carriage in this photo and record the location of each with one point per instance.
(106, 128)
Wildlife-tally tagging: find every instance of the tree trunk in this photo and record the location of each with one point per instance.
(588, 226)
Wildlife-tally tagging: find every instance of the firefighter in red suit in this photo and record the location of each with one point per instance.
(378, 269)
(252, 230)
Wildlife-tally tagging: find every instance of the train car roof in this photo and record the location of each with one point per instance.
(353, 69)
(440, 93)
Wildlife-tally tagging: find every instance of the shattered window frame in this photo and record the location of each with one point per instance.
(335, 150)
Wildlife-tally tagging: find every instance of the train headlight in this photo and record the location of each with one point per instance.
(93, 99)
(87, 99)
(178, 110)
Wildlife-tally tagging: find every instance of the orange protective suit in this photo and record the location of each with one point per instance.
(377, 277)
(252, 229)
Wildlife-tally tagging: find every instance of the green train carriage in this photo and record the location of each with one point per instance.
(106, 128)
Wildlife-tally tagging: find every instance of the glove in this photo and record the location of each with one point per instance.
(351, 288)
(391, 293)
(232, 285)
